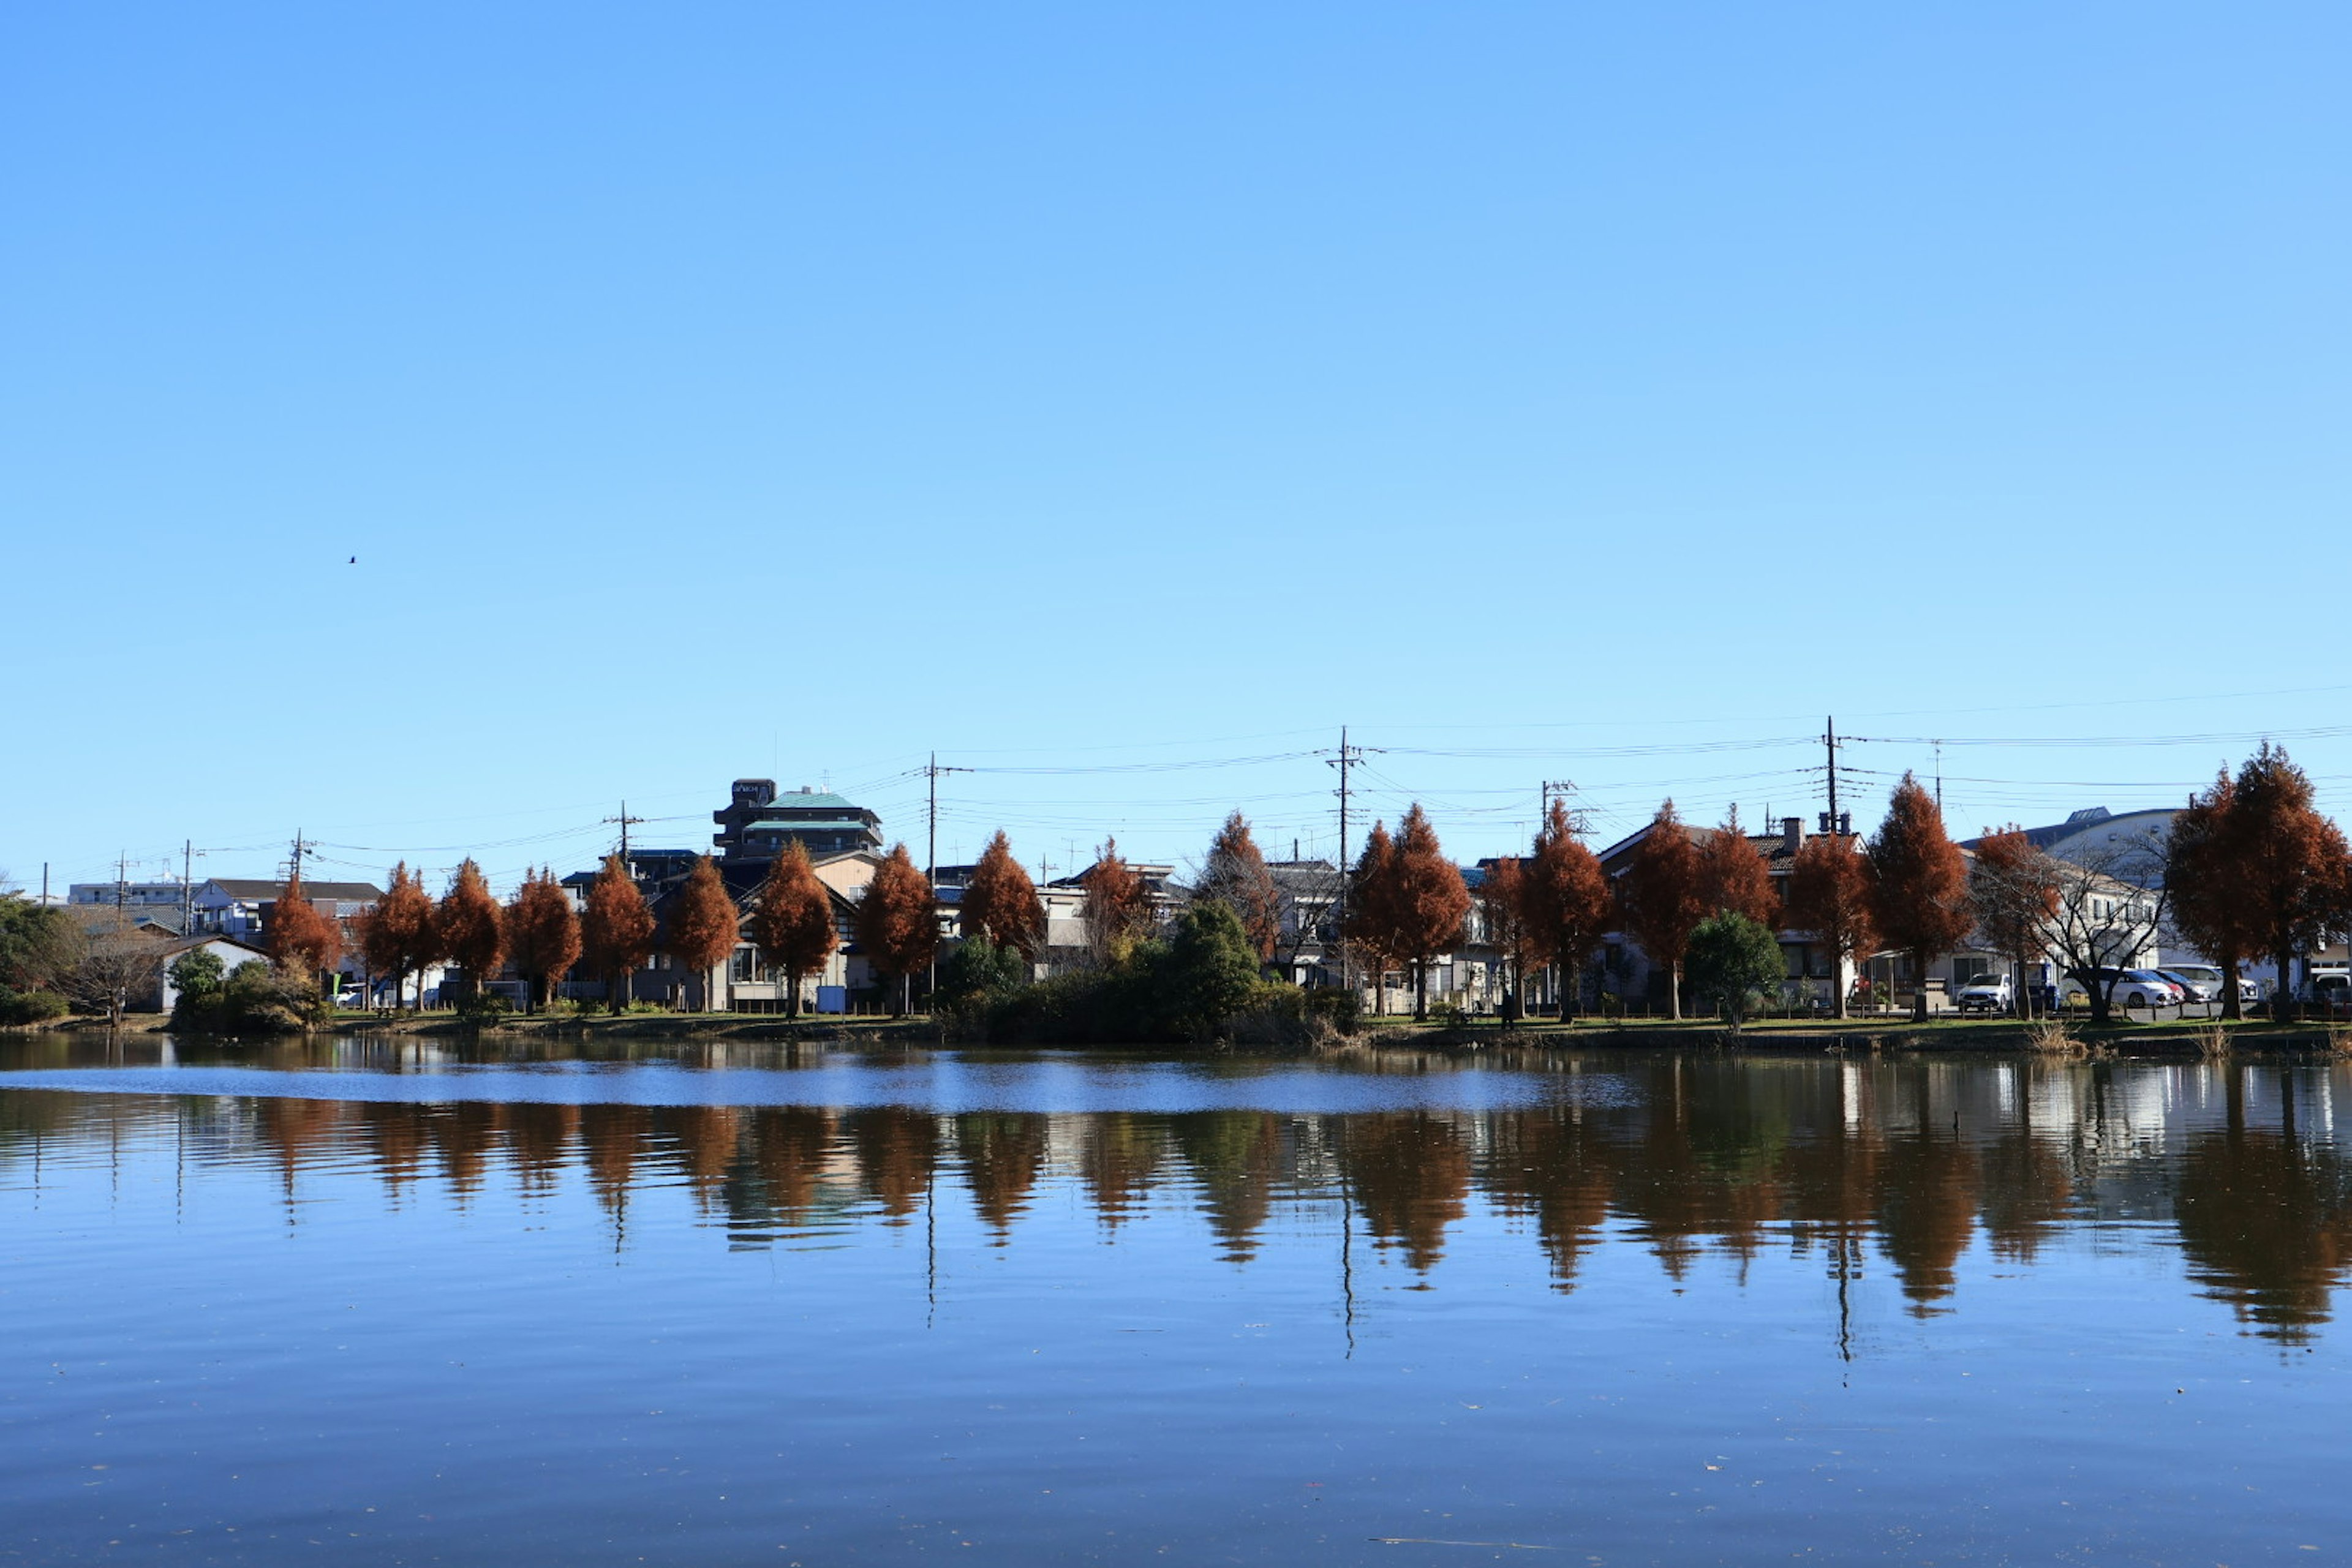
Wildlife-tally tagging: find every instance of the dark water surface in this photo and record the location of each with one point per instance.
(365, 1304)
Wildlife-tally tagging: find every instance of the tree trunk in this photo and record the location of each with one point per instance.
(1675, 990)
(2282, 1005)
(2231, 1010)
(1419, 990)
(792, 994)
(1918, 984)
(1838, 986)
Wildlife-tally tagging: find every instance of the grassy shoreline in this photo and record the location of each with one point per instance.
(2171, 1038)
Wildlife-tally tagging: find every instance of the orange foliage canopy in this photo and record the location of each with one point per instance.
(898, 920)
(2294, 864)
(1001, 902)
(1235, 875)
(792, 920)
(1664, 899)
(1920, 883)
(1829, 896)
(1423, 901)
(617, 933)
(401, 937)
(1371, 922)
(300, 937)
(704, 923)
(542, 932)
(2013, 893)
(1568, 899)
(471, 933)
(1503, 904)
(1734, 876)
(1118, 902)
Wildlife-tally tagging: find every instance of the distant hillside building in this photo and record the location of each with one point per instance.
(757, 823)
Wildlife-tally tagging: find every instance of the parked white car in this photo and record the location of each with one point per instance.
(1988, 994)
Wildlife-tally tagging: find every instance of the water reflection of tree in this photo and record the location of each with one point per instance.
(537, 1138)
(898, 1151)
(1707, 1164)
(1411, 1174)
(789, 1146)
(395, 1137)
(463, 1134)
(703, 1139)
(2264, 1217)
(1003, 1152)
(613, 1137)
(297, 1131)
(2027, 1183)
(1927, 1200)
(1545, 1162)
(1235, 1157)
(1118, 1159)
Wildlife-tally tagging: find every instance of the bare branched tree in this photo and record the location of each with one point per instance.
(2110, 906)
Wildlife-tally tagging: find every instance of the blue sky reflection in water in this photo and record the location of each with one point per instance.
(1727, 1311)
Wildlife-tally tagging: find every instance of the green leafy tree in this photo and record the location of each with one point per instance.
(1211, 966)
(1732, 959)
(979, 969)
(199, 974)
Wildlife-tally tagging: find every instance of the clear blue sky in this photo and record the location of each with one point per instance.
(781, 389)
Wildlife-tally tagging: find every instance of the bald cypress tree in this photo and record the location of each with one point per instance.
(791, 921)
(1000, 903)
(1919, 884)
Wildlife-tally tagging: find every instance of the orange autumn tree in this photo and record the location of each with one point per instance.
(1118, 902)
(2292, 863)
(1425, 900)
(1235, 875)
(401, 938)
(1000, 903)
(2210, 902)
(791, 922)
(472, 935)
(898, 922)
(1503, 905)
(1734, 876)
(2013, 891)
(300, 940)
(1370, 925)
(1568, 900)
(542, 934)
(1829, 897)
(704, 925)
(1665, 896)
(1919, 884)
(617, 933)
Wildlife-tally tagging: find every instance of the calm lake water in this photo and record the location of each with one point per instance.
(353, 1303)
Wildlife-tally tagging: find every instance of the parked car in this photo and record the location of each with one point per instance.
(1987, 994)
(2133, 988)
(2327, 988)
(2197, 991)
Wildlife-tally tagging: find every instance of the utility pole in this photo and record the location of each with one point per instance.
(187, 887)
(931, 771)
(1563, 788)
(627, 822)
(299, 849)
(1939, 778)
(1348, 756)
(1830, 740)
(121, 873)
